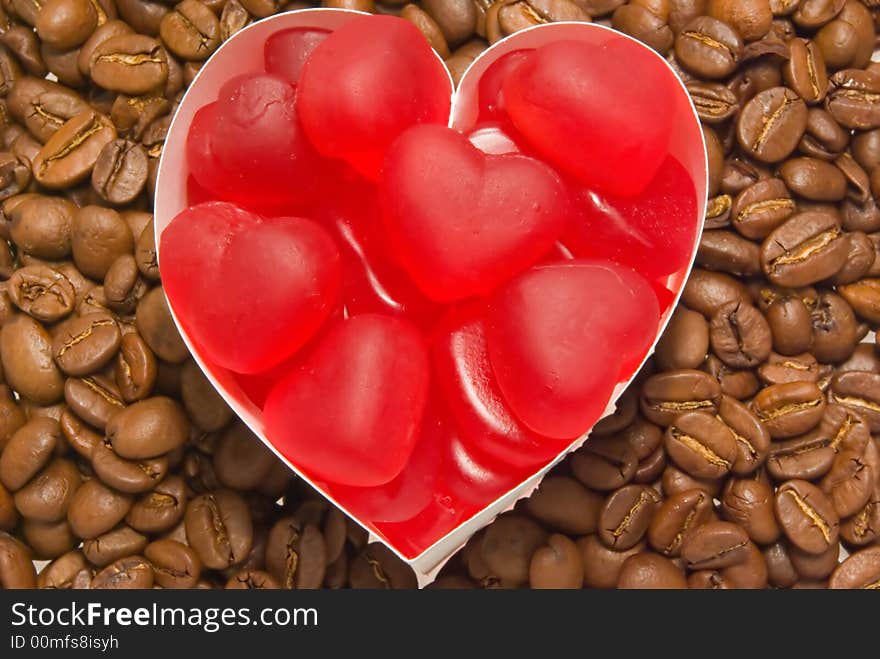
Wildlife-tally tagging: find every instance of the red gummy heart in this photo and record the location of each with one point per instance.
(365, 84)
(447, 208)
(250, 291)
(351, 413)
(286, 52)
(572, 103)
(491, 89)
(558, 337)
(653, 231)
(461, 365)
(412, 490)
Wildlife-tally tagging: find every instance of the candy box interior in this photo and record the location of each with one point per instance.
(427, 521)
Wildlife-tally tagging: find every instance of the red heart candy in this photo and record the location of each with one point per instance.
(558, 336)
(286, 52)
(365, 84)
(573, 103)
(447, 209)
(351, 413)
(249, 290)
(463, 372)
(258, 143)
(653, 232)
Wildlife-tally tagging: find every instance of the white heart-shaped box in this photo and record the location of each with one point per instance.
(244, 53)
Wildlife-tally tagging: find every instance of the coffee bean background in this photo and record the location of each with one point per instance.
(745, 455)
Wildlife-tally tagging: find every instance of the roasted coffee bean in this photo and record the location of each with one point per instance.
(864, 297)
(849, 484)
(859, 261)
(93, 399)
(740, 335)
(748, 502)
(148, 428)
(715, 545)
(706, 291)
(129, 64)
(806, 516)
(811, 14)
(805, 71)
(510, 17)
(824, 138)
(854, 99)
(241, 460)
(41, 292)
(761, 207)
(123, 285)
(814, 179)
(86, 344)
(115, 544)
(376, 567)
(41, 226)
(157, 328)
(646, 22)
(49, 494)
(708, 48)
(105, 31)
(66, 24)
(28, 451)
(60, 573)
(740, 384)
(191, 30)
(701, 445)
(789, 409)
(159, 510)
(8, 513)
(428, 27)
(715, 103)
(859, 392)
(557, 565)
(666, 395)
(25, 349)
(863, 528)
(790, 325)
(626, 515)
(95, 509)
(43, 106)
(16, 567)
(203, 404)
(130, 573)
(604, 463)
(685, 341)
(771, 124)
(174, 564)
(47, 540)
(69, 155)
(859, 570)
(752, 438)
(835, 329)
(807, 248)
(625, 410)
(457, 19)
(135, 368)
(219, 528)
(252, 580)
(507, 548)
(781, 369)
(563, 504)
(126, 475)
(121, 171)
(99, 236)
(677, 516)
(650, 571)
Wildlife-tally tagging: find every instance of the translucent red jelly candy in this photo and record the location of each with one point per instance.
(259, 145)
(372, 281)
(491, 94)
(583, 108)
(653, 232)
(250, 290)
(351, 413)
(464, 374)
(365, 84)
(285, 52)
(558, 336)
(412, 490)
(447, 209)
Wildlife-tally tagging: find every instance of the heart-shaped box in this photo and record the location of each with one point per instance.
(244, 53)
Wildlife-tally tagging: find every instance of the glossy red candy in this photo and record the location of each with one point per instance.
(365, 84)
(491, 93)
(575, 103)
(652, 232)
(448, 209)
(259, 144)
(286, 52)
(465, 376)
(352, 412)
(558, 337)
(250, 290)
(372, 281)
(203, 164)
(414, 535)
(412, 490)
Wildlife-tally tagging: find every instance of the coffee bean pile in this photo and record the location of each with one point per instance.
(745, 455)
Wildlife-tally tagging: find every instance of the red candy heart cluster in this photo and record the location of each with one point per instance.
(427, 316)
